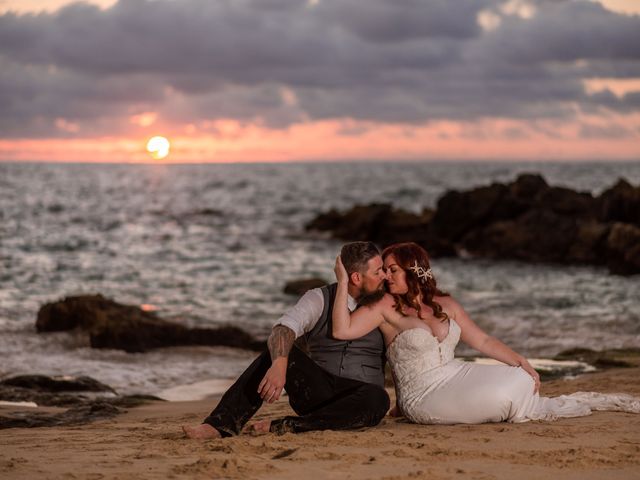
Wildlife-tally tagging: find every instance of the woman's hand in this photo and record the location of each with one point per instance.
(341, 273)
(526, 366)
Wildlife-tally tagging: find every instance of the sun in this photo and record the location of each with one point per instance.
(158, 147)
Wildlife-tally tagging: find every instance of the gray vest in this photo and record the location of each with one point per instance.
(361, 359)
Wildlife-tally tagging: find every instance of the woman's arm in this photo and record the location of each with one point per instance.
(346, 325)
(476, 338)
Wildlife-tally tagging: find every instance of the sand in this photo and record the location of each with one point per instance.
(147, 443)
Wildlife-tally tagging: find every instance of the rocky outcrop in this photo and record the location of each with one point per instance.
(77, 415)
(525, 220)
(603, 359)
(86, 400)
(622, 248)
(44, 383)
(621, 203)
(129, 328)
(384, 225)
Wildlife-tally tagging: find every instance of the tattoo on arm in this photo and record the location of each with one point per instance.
(280, 341)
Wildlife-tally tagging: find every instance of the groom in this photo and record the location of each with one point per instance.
(337, 384)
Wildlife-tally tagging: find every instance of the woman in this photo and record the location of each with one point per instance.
(422, 325)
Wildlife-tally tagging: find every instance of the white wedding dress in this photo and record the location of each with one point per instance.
(433, 387)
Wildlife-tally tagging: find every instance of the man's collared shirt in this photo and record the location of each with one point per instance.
(303, 316)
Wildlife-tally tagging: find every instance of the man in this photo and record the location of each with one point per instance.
(338, 385)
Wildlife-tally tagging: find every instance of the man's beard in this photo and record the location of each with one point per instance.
(369, 298)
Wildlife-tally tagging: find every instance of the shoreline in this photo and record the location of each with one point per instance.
(146, 443)
(548, 368)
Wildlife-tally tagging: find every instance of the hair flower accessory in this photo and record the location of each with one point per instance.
(421, 272)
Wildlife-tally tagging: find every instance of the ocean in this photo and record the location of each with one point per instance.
(214, 244)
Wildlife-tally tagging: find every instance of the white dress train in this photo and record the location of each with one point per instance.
(434, 387)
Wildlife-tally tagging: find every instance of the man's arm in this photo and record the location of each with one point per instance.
(279, 343)
(296, 321)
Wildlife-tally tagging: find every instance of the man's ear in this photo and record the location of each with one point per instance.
(356, 278)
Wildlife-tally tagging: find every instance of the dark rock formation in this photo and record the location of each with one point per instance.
(622, 249)
(525, 220)
(77, 415)
(45, 383)
(126, 327)
(383, 225)
(87, 400)
(614, 358)
(536, 236)
(460, 212)
(372, 222)
(63, 391)
(300, 287)
(621, 203)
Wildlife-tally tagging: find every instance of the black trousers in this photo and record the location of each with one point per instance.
(323, 401)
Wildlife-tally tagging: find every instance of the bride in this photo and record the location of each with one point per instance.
(422, 325)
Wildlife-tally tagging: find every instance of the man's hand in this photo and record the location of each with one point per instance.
(271, 386)
(279, 344)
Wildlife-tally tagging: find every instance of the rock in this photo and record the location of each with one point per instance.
(65, 391)
(623, 249)
(19, 394)
(527, 186)
(375, 222)
(54, 391)
(614, 358)
(129, 328)
(383, 225)
(45, 383)
(567, 202)
(537, 236)
(88, 399)
(460, 212)
(86, 312)
(621, 203)
(525, 220)
(589, 244)
(300, 287)
(328, 222)
(77, 415)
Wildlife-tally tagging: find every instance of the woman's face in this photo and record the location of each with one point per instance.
(396, 276)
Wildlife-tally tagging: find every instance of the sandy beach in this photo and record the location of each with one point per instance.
(147, 443)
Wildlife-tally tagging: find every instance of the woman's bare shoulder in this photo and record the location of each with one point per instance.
(385, 302)
(448, 303)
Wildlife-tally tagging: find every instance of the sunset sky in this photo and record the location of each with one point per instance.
(274, 80)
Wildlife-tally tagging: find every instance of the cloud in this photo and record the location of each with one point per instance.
(388, 61)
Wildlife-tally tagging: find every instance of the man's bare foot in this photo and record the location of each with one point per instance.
(259, 428)
(201, 432)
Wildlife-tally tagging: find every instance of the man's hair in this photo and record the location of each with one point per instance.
(356, 255)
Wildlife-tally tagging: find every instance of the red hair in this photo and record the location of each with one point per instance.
(406, 255)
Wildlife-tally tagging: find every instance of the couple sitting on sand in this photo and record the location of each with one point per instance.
(328, 352)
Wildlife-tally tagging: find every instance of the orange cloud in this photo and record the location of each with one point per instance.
(145, 119)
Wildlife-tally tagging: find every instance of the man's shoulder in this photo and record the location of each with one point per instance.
(328, 288)
(315, 292)
(313, 296)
